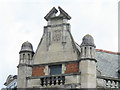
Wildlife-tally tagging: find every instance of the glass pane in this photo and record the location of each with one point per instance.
(55, 70)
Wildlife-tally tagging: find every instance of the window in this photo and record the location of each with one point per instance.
(55, 69)
(91, 51)
(28, 56)
(23, 56)
(85, 51)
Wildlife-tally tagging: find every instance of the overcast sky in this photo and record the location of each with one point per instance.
(23, 20)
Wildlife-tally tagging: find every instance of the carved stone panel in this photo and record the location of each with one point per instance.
(57, 36)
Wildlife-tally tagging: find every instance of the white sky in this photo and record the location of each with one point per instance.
(23, 20)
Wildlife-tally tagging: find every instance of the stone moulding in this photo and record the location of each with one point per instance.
(91, 59)
(36, 77)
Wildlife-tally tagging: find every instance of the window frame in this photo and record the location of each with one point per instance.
(59, 65)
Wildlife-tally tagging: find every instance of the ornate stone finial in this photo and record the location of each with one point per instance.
(88, 41)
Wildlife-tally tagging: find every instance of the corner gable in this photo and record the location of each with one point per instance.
(52, 13)
(57, 43)
(63, 13)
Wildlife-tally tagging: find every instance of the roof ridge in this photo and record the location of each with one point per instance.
(101, 50)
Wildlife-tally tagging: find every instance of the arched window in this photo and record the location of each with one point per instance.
(91, 51)
(85, 51)
(23, 56)
(28, 56)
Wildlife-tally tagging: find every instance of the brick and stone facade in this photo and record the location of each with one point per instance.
(59, 61)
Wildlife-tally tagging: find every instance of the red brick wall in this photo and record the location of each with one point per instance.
(38, 71)
(72, 67)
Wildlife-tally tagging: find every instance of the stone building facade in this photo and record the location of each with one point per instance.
(59, 62)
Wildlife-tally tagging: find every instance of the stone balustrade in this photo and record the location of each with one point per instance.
(110, 82)
(52, 80)
(59, 81)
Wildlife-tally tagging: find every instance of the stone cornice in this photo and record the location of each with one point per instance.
(91, 59)
(54, 63)
(24, 65)
(56, 25)
(108, 78)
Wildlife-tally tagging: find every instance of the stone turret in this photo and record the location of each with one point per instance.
(26, 53)
(88, 62)
(24, 68)
(88, 47)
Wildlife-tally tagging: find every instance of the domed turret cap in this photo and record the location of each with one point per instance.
(26, 46)
(88, 41)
